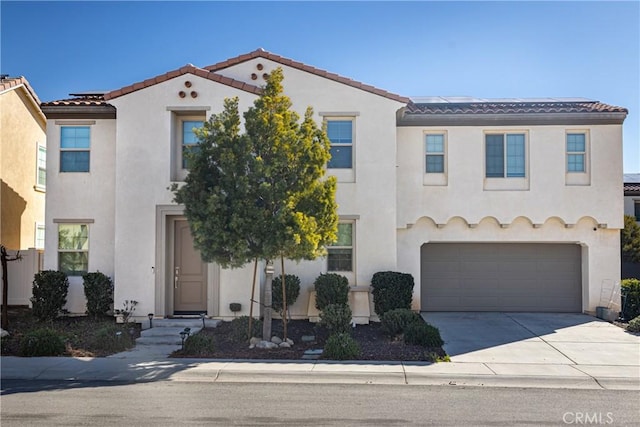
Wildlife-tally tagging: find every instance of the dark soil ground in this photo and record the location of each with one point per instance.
(374, 345)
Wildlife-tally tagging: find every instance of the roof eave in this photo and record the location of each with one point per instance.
(79, 111)
(518, 119)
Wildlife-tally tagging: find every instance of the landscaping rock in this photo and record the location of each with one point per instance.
(308, 338)
(284, 344)
(276, 340)
(266, 344)
(290, 341)
(254, 340)
(3, 333)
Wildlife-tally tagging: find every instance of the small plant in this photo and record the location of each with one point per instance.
(49, 294)
(336, 318)
(634, 325)
(341, 347)
(391, 290)
(436, 358)
(394, 322)
(198, 345)
(331, 288)
(128, 308)
(240, 327)
(292, 285)
(112, 338)
(420, 333)
(630, 292)
(42, 342)
(98, 289)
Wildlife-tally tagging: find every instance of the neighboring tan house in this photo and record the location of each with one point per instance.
(491, 205)
(22, 165)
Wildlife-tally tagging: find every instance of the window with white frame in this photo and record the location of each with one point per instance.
(576, 152)
(340, 253)
(75, 145)
(340, 133)
(73, 249)
(434, 152)
(39, 243)
(505, 155)
(41, 178)
(189, 139)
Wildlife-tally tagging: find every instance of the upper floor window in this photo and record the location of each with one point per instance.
(505, 155)
(41, 178)
(340, 253)
(75, 142)
(189, 139)
(73, 249)
(340, 133)
(636, 209)
(434, 162)
(39, 243)
(576, 152)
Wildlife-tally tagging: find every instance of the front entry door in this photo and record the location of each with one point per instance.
(189, 273)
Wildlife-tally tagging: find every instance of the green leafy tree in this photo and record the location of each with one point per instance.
(261, 194)
(630, 240)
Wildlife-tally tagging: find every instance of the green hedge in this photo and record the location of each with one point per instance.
(98, 289)
(630, 291)
(391, 290)
(331, 288)
(292, 285)
(49, 294)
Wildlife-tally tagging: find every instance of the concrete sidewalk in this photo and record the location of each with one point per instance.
(399, 373)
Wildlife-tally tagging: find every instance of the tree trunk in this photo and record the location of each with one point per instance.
(284, 301)
(253, 293)
(5, 288)
(268, 289)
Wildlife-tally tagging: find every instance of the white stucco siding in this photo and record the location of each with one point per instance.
(82, 196)
(548, 193)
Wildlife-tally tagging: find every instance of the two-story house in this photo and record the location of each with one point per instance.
(507, 205)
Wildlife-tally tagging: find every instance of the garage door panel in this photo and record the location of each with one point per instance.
(501, 277)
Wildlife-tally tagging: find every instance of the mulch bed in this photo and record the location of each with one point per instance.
(373, 343)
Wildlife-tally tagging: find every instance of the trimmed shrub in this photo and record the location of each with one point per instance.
(49, 294)
(198, 345)
(240, 328)
(420, 333)
(341, 347)
(634, 325)
(42, 342)
(336, 318)
(98, 289)
(292, 285)
(630, 292)
(394, 322)
(331, 288)
(391, 290)
(113, 338)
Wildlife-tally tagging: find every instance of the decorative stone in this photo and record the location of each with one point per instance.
(308, 338)
(254, 340)
(3, 333)
(252, 346)
(276, 340)
(290, 341)
(284, 345)
(266, 344)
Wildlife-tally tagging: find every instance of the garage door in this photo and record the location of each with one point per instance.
(501, 277)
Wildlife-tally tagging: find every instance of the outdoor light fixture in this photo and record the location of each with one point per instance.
(150, 316)
(202, 316)
(183, 336)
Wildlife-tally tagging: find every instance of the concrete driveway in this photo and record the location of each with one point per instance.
(539, 342)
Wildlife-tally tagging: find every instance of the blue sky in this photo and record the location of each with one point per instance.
(481, 49)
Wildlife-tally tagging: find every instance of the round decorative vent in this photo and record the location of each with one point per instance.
(254, 76)
(182, 94)
(259, 67)
(194, 94)
(187, 83)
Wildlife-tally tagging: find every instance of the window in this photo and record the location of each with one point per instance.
(73, 249)
(636, 209)
(39, 243)
(340, 253)
(340, 133)
(189, 139)
(505, 160)
(75, 142)
(41, 179)
(434, 162)
(576, 152)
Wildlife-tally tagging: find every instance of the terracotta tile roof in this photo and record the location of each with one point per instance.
(189, 68)
(522, 107)
(632, 187)
(261, 53)
(95, 100)
(14, 82)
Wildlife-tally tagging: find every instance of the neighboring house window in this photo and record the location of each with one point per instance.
(75, 142)
(434, 153)
(340, 133)
(576, 152)
(73, 249)
(340, 253)
(636, 208)
(189, 139)
(41, 179)
(505, 155)
(39, 243)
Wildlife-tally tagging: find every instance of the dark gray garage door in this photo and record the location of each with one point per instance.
(501, 277)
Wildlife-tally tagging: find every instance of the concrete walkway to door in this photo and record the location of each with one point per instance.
(539, 344)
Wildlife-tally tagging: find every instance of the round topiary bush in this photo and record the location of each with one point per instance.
(630, 296)
(420, 333)
(634, 325)
(336, 318)
(341, 347)
(42, 342)
(98, 289)
(391, 290)
(292, 286)
(331, 288)
(394, 322)
(49, 294)
(198, 345)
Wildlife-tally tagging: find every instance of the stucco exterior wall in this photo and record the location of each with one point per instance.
(83, 196)
(22, 129)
